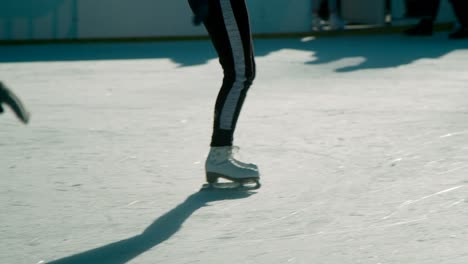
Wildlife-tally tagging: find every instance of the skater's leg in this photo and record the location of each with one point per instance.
(229, 29)
(228, 26)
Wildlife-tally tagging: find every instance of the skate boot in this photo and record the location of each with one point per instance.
(336, 23)
(222, 164)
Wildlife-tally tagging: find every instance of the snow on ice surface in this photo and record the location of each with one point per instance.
(362, 144)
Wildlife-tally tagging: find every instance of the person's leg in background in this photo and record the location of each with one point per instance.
(336, 23)
(316, 20)
(332, 15)
(460, 8)
(425, 27)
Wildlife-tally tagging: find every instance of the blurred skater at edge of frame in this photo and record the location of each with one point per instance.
(7, 97)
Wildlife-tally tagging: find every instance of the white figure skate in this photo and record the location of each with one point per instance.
(221, 164)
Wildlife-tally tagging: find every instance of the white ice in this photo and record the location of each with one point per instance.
(362, 144)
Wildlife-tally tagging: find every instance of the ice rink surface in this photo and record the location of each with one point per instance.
(362, 144)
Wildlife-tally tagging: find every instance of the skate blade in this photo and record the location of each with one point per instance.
(213, 177)
(231, 186)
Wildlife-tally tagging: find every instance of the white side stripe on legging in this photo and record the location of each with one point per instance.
(229, 108)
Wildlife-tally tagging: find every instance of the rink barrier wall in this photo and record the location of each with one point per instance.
(86, 20)
(351, 32)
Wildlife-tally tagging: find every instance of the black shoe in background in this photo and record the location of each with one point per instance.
(460, 33)
(424, 28)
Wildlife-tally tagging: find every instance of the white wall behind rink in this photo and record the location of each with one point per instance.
(82, 19)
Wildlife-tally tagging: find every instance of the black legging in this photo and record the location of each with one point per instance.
(229, 28)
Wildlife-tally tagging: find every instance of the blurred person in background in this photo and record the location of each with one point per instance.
(427, 11)
(332, 15)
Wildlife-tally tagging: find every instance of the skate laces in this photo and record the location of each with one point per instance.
(235, 153)
(227, 153)
(235, 150)
(235, 156)
(223, 153)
